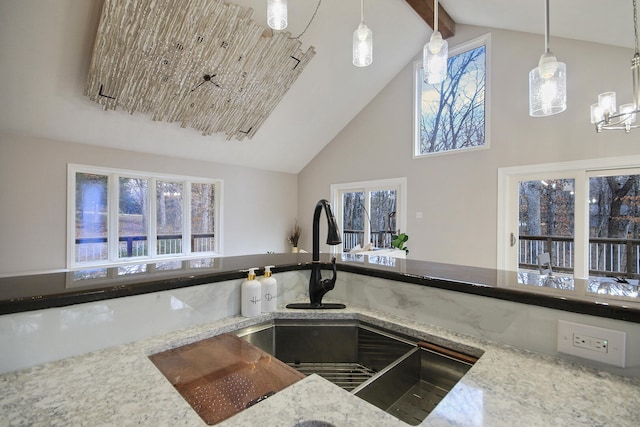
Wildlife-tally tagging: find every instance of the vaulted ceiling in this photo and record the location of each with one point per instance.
(45, 51)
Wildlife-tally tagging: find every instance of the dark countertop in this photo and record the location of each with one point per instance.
(38, 291)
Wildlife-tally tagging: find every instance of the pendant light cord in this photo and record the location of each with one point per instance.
(635, 25)
(435, 16)
(309, 24)
(546, 27)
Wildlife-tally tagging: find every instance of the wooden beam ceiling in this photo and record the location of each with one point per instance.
(424, 8)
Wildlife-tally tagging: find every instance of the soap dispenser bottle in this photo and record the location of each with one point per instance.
(251, 295)
(269, 291)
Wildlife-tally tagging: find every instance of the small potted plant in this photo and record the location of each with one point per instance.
(399, 241)
(294, 237)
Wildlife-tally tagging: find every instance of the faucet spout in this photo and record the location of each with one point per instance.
(333, 233)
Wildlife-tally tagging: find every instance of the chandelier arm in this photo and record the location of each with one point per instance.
(617, 122)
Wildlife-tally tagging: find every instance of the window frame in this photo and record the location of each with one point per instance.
(484, 40)
(113, 189)
(581, 171)
(398, 184)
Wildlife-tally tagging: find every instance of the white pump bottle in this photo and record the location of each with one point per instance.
(269, 291)
(250, 295)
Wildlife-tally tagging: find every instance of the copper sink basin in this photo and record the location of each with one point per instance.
(223, 375)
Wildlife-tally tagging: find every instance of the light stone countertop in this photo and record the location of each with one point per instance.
(506, 387)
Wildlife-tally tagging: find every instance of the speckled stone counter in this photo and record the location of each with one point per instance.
(506, 387)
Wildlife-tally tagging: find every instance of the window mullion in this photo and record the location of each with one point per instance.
(367, 222)
(581, 218)
(71, 216)
(336, 204)
(153, 218)
(186, 217)
(112, 221)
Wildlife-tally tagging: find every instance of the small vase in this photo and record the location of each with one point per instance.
(294, 250)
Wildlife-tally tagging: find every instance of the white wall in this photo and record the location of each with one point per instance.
(258, 212)
(457, 193)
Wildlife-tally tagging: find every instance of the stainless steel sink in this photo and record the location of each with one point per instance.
(397, 373)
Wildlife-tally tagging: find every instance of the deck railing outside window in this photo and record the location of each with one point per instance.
(352, 238)
(95, 248)
(607, 257)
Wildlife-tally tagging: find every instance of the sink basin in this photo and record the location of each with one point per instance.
(344, 352)
(223, 375)
(411, 387)
(400, 374)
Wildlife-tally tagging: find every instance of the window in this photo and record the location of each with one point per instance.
(370, 212)
(453, 115)
(546, 222)
(120, 216)
(572, 220)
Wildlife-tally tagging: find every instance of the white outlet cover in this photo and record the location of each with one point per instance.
(616, 340)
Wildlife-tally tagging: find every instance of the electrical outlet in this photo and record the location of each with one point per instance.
(592, 342)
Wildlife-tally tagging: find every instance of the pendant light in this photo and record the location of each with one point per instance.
(548, 81)
(435, 54)
(362, 42)
(603, 114)
(277, 14)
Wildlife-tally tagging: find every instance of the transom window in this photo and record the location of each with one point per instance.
(369, 213)
(118, 216)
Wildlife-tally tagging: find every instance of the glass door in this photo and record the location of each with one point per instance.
(541, 229)
(546, 227)
(614, 229)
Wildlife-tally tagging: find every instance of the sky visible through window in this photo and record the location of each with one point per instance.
(452, 114)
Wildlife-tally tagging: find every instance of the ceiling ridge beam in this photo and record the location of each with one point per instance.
(424, 9)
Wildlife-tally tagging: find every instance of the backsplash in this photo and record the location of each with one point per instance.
(34, 337)
(520, 325)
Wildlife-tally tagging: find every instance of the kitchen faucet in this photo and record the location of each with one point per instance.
(318, 287)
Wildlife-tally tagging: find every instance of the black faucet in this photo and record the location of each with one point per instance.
(317, 286)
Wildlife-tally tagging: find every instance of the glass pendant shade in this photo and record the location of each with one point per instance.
(362, 46)
(547, 87)
(435, 56)
(607, 103)
(597, 114)
(277, 14)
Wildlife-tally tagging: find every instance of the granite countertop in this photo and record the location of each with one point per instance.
(506, 387)
(47, 290)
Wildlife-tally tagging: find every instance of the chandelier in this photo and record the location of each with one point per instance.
(605, 114)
